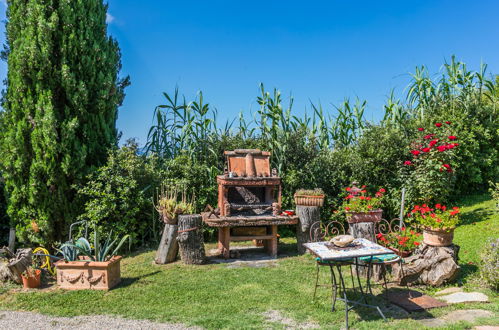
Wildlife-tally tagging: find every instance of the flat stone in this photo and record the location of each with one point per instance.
(466, 315)
(448, 291)
(464, 297)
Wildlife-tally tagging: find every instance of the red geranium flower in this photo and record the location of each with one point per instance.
(446, 166)
(420, 129)
(448, 122)
(362, 197)
(347, 208)
(407, 162)
(378, 194)
(438, 206)
(382, 190)
(438, 220)
(363, 186)
(426, 149)
(363, 191)
(415, 152)
(429, 136)
(369, 206)
(349, 196)
(368, 198)
(450, 146)
(438, 124)
(441, 148)
(452, 137)
(348, 189)
(433, 142)
(416, 243)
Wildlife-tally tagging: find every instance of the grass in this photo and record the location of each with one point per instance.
(218, 296)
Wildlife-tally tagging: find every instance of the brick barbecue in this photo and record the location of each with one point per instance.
(249, 201)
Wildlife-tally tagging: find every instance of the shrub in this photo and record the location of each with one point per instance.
(118, 196)
(490, 264)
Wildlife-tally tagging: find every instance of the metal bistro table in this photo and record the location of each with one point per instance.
(360, 247)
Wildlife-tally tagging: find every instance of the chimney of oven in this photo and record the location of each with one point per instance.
(250, 165)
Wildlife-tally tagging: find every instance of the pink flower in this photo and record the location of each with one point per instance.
(382, 190)
(420, 129)
(407, 162)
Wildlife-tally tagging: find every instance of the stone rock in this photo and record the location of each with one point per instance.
(448, 291)
(466, 315)
(464, 297)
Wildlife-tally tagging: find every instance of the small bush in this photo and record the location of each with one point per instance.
(118, 196)
(490, 264)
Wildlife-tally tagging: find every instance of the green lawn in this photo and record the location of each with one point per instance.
(218, 296)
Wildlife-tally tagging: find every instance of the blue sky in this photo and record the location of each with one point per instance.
(318, 50)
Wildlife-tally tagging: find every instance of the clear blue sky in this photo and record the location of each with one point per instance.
(318, 50)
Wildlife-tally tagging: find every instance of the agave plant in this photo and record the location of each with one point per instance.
(101, 252)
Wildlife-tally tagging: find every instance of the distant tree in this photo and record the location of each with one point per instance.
(61, 100)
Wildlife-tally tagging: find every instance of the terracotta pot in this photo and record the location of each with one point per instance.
(32, 282)
(86, 274)
(438, 237)
(371, 216)
(403, 254)
(309, 200)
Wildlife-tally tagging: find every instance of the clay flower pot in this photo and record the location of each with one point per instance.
(402, 254)
(438, 237)
(371, 216)
(32, 282)
(309, 200)
(86, 274)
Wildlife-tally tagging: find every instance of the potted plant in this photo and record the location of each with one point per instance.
(361, 207)
(309, 197)
(169, 206)
(438, 223)
(86, 267)
(403, 243)
(31, 278)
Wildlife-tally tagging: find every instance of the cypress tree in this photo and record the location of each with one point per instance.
(62, 94)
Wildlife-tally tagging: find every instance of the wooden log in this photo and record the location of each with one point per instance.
(366, 230)
(307, 216)
(190, 239)
(18, 264)
(429, 265)
(168, 246)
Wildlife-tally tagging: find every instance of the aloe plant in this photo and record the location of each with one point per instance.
(101, 252)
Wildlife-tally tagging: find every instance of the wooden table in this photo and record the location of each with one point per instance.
(338, 257)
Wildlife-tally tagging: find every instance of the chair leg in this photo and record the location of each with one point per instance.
(316, 281)
(385, 286)
(368, 280)
(403, 275)
(334, 288)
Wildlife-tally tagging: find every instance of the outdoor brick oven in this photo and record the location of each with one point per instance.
(249, 201)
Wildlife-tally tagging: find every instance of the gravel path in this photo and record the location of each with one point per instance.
(29, 320)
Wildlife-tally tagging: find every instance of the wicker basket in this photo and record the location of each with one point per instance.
(309, 200)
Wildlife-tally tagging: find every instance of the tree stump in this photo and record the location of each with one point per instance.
(366, 230)
(17, 264)
(430, 265)
(307, 216)
(168, 246)
(190, 239)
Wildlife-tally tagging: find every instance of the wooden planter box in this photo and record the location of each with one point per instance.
(94, 275)
(371, 216)
(438, 237)
(309, 200)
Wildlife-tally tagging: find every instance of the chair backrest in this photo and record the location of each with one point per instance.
(320, 231)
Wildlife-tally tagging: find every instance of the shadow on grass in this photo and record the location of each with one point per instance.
(127, 281)
(470, 200)
(466, 272)
(477, 215)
